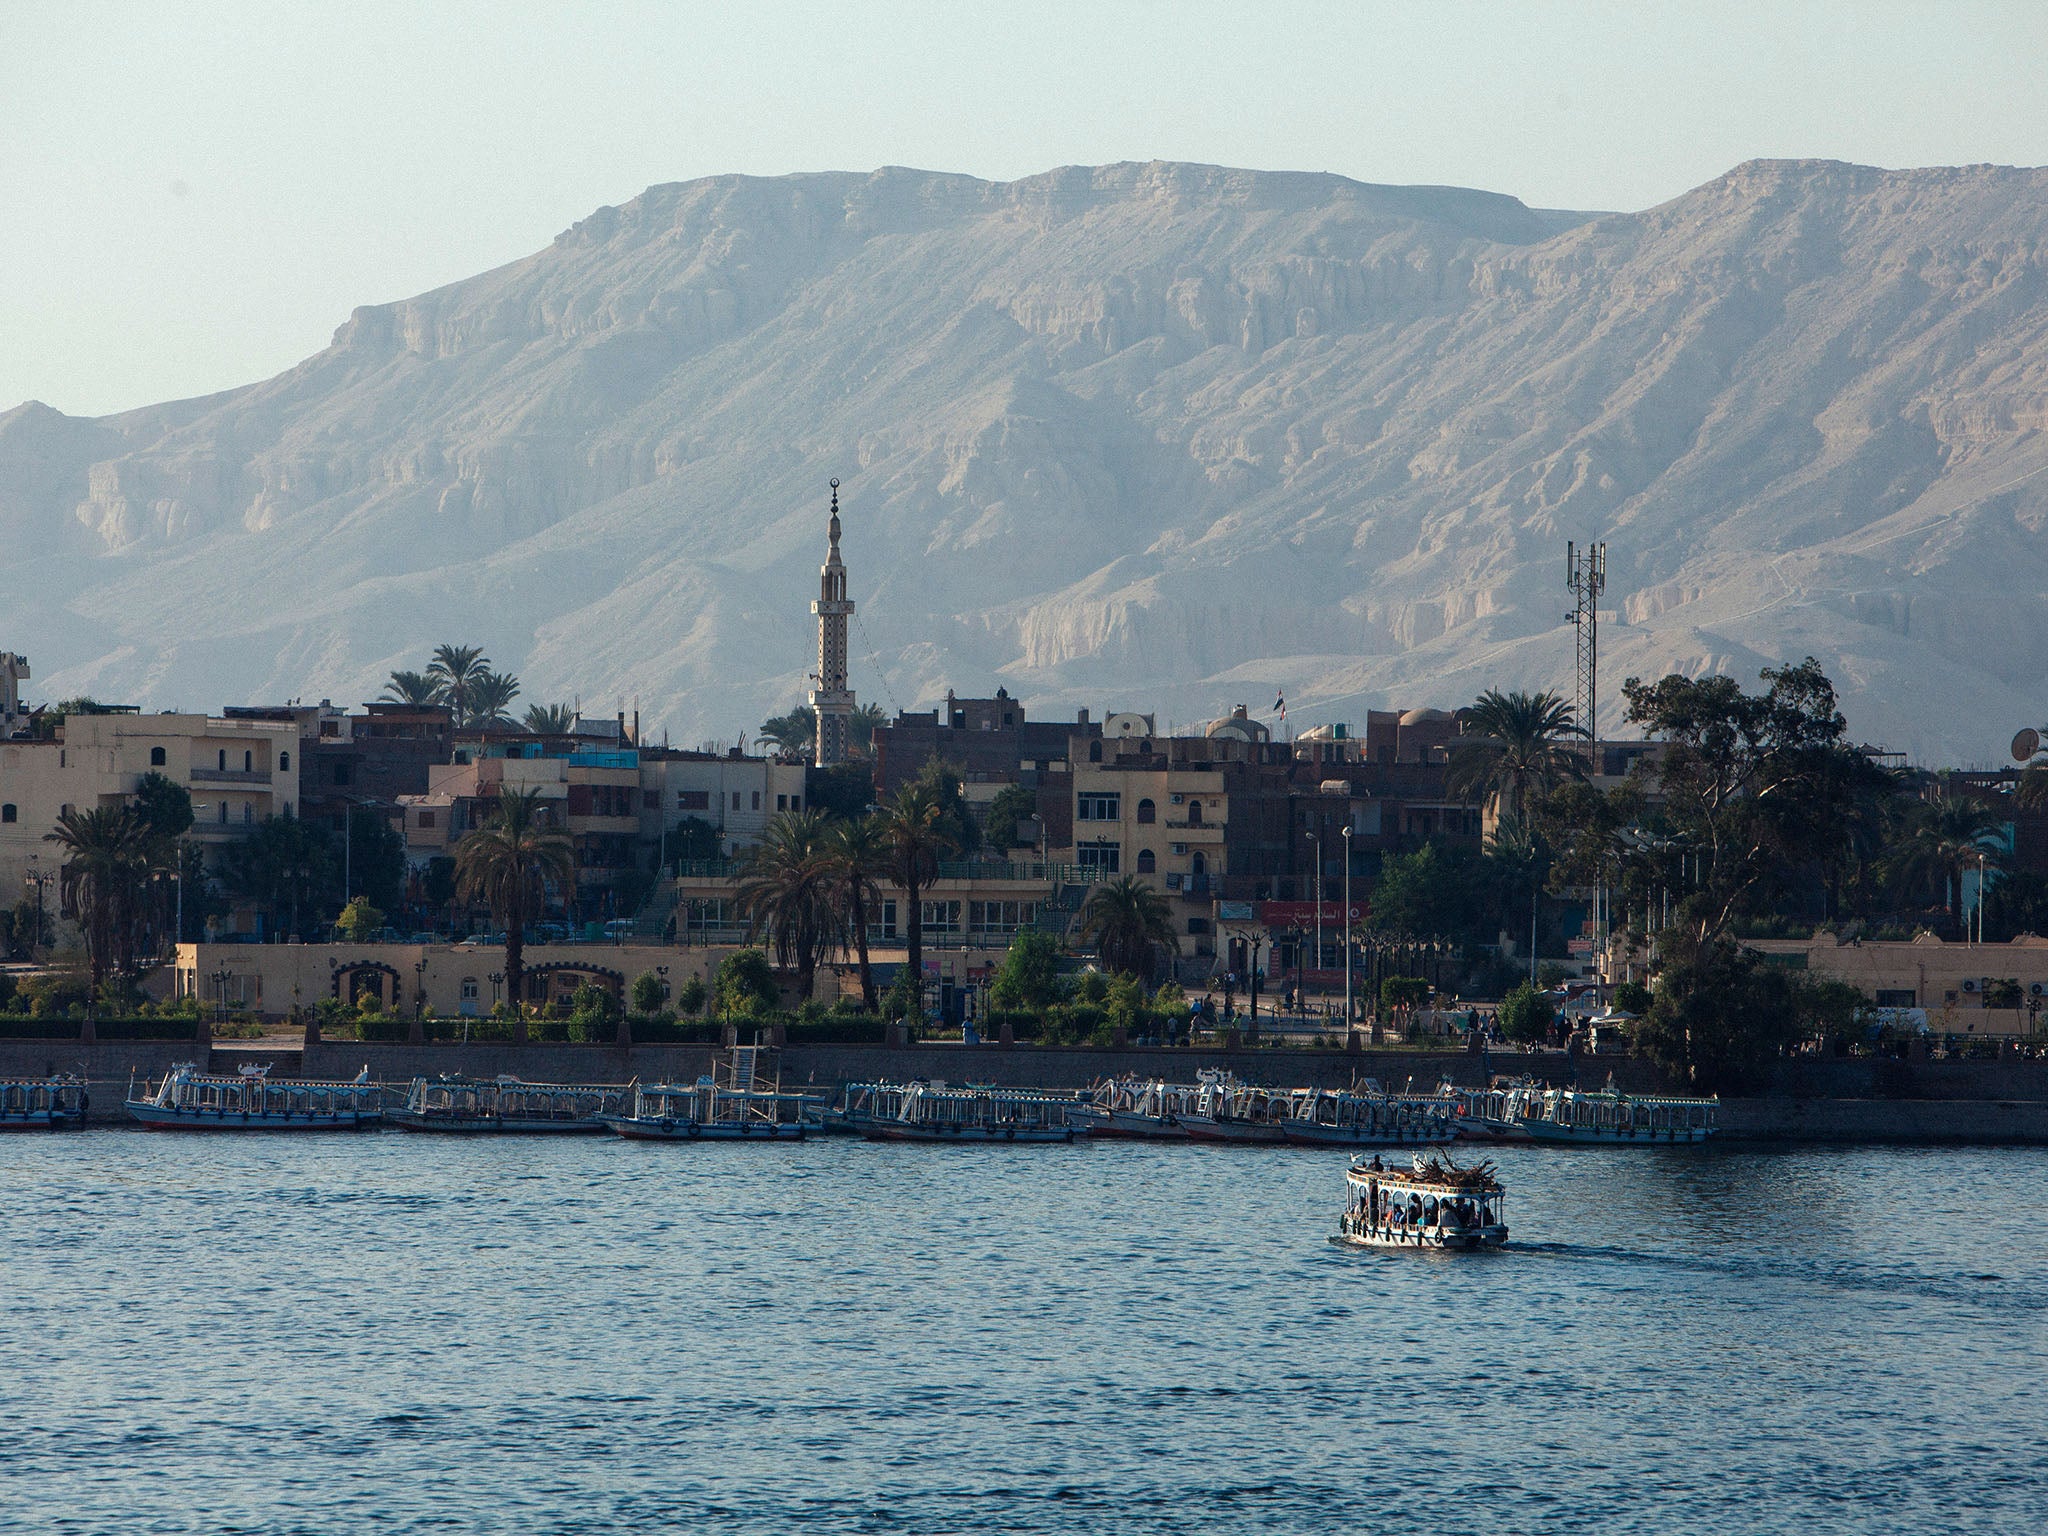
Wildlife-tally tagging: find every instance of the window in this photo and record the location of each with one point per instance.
(1098, 807)
(1887, 997)
(284, 762)
(1147, 813)
(650, 800)
(249, 813)
(1094, 751)
(796, 802)
(248, 762)
(1107, 858)
(735, 799)
(1178, 849)
(782, 802)
(469, 989)
(942, 917)
(757, 799)
(223, 813)
(426, 821)
(1194, 813)
(1201, 865)
(8, 813)
(693, 800)
(223, 759)
(1148, 863)
(1198, 925)
(156, 757)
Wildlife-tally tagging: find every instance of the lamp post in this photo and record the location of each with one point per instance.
(419, 988)
(1348, 1015)
(38, 880)
(1316, 886)
(221, 978)
(662, 972)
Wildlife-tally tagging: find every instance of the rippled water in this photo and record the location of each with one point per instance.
(404, 1334)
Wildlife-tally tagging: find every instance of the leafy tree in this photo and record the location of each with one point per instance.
(1013, 803)
(693, 840)
(285, 868)
(1398, 992)
(1029, 976)
(1513, 744)
(792, 736)
(1749, 786)
(1632, 997)
(790, 889)
(455, 671)
(745, 984)
(845, 789)
(592, 1007)
(1129, 923)
(858, 855)
(690, 996)
(359, 921)
(1720, 1015)
(507, 864)
(164, 805)
(415, 688)
(437, 883)
(1523, 1015)
(649, 993)
(550, 719)
(1437, 889)
(375, 855)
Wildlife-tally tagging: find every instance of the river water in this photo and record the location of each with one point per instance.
(401, 1334)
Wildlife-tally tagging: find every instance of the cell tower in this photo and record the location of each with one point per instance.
(1586, 576)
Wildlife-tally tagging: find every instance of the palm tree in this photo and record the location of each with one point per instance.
(1517, 742)
(107, 864)
(792, 735)
(455, 670)
(1129, 922)
(859, 853)
(506, 864)
(1949, 835)
(1519, 861)
(415, 688)
(914, 828)
(860, 726)
(790, 889)
(490, 698)
(550, 719)
(2033, 791)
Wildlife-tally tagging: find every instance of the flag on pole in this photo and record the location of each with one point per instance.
(1280, 704)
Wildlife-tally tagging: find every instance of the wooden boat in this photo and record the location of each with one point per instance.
(507, 1106)
(251, 1100)
(1364, 1116)
(1432, 1204)
(43, 1103)
(934, 1112)
(740, 1100)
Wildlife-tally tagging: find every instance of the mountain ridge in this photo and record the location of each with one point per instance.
(1152, 435)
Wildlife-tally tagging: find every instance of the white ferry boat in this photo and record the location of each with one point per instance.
(1528, 1111)
(251, 1100)
(740, 1100)
(935, 1112)
(1434, 1203)
(1226, 1110)
(1363, 1116)
(507, 1106)
(1126, 1107)
(43, 1103)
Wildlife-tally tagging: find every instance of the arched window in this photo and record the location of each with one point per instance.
(223, 759)
(223, 813)
(248, 762)
(284, 762)
(1194, 813)
(1147, 863)
(1147, 812)
(156, 757)
(1201, 865)
(7, 812)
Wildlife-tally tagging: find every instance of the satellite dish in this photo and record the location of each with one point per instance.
(2026, 744)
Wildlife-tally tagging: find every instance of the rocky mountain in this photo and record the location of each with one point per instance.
(1155, 436)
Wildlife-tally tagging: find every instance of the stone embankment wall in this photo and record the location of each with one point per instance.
(1846, 1101)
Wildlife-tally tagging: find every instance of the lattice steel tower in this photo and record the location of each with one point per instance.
(831, 699)
(1586, 576)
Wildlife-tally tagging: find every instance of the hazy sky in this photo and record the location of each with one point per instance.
(193, 196)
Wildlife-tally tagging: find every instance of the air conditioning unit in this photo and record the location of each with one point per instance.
(1180, 799)
(1972, 984)
(2037, 990)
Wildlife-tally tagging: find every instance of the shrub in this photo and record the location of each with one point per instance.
(359, 921)
(649, 993)
(1029, 974)
(745, 983)
(1092, 987)
(691, 994)
(1632, 997)
(1524, 1015)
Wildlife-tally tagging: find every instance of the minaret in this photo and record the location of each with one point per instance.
(832, 700)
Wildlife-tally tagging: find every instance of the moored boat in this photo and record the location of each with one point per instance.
(740, 1100)
(43, 1103)
(935, 1112)
(1433, 1203)
(251, 1100)
(1362, 1116)
(1126, 1107)
(507, 1106)
(1612, 1118)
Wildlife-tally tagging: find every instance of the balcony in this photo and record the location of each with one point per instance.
(230, 776)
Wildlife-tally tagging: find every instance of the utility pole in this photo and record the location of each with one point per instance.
(1586, 577)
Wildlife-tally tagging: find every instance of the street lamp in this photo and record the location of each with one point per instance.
(497, 981)
(37, 880)
(1315, 886)
(419, 988)
(221, 978)
(1348, 1016)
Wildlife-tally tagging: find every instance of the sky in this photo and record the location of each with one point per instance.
(194, 196)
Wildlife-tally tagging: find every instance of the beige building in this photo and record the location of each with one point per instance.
(238, 773)
(1955, 985)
